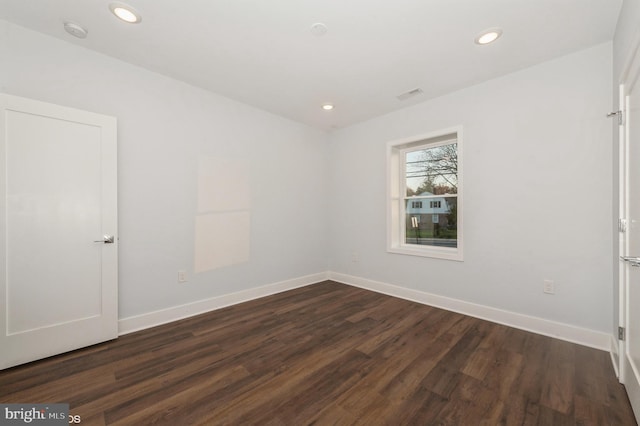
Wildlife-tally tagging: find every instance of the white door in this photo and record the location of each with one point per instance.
(58, 268)
(630, 289)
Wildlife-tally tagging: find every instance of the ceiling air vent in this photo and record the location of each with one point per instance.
(410, 94)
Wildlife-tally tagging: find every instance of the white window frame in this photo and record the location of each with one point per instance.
(396, 190)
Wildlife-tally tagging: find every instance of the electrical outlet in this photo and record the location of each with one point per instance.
(355, 257)
(182, 276)
(549, 287)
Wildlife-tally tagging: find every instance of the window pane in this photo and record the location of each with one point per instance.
(432, 171)
(435, 223)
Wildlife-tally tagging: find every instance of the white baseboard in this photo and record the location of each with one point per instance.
(570, 333)
(163, 316)
(615, 355)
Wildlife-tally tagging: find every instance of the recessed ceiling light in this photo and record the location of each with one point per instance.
(319, 29)
(327, 107)
(488, 36)
(125, 12)
(75, 30)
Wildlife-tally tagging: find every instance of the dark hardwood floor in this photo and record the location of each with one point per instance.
(328, 354)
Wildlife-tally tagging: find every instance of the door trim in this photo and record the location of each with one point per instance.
(628, 82)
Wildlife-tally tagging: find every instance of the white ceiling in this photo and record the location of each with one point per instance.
(262, 52)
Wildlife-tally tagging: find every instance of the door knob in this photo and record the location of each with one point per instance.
(634, 261)
(107, 239)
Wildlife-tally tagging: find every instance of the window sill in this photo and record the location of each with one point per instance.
(432, 252)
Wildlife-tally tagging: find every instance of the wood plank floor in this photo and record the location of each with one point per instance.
(328, 354)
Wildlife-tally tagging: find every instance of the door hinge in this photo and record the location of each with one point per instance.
(620, 333)
(619, 115)
(622, 225)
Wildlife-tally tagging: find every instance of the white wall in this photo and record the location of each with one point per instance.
(627, 33)
(538, 177)
(164, 128)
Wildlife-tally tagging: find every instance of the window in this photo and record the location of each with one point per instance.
(426, 171)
